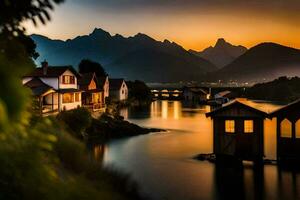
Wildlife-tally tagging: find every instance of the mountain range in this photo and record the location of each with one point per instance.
(142, 57)
(137, 57)
(222, 54)
(263, 62)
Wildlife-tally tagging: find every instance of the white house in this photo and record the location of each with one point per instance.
(118, 89)
(103, 82)
(56, 88)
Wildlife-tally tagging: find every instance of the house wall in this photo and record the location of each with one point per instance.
(123, 92)
(53, 82)
(48, 98)
(247, 146)
(288, 148)
(106, 88)
(92, 85)
(67, 86)
(69, 106)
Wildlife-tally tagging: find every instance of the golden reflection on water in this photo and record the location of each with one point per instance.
(270, 138)
(162, 164)
(177, 116)
(99, 152)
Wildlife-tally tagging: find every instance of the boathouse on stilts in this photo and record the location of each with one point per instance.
(288, 131)
(238, 131)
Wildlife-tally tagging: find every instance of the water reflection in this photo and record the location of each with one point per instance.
(162, 164)
(99, 152)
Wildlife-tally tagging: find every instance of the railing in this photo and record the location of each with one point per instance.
(49, 108)
(95, 106)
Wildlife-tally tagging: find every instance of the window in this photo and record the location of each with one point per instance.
(96, 97)
(286, 129)
(248, 126)
(77, 98)
(68, 98)
(229, 126)
(298, 129)
(66, 79)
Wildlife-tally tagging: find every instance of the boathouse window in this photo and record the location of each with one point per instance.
(229, 126)
(286, 128)
(248, 126)
(298, 129)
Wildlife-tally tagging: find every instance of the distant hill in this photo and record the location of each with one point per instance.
(222, 54)
(282, 89)
(137, 57)
(264, 62)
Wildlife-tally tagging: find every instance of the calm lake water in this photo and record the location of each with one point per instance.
(162, 163)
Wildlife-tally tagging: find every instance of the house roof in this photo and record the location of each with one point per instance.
(101, 81)
(223, 93)
(238, 102)
(289, 107)
(38, 87)
(115, 84)
(196, 90)
(52, 71)
(86, 79)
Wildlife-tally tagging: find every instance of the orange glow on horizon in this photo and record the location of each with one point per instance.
(191, 28)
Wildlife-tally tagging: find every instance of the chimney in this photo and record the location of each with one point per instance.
(44, 67)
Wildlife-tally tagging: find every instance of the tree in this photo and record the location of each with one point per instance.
(14, 12)
(88, 66)
(138, 90)
(17, 51)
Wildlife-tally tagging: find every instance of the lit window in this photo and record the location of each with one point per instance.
(229, 126)
(68, 98)
(298, 129)
(68, 79)
(77, 98)
(286, 128)
(248, 126)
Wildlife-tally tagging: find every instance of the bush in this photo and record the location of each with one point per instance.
(77, 120)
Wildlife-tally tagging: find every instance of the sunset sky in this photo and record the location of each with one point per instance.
(194, 24)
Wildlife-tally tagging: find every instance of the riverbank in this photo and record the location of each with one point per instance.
(78, 127)
(103, 128)
(108, 127)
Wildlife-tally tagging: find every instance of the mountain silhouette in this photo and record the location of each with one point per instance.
(137, 57)
(261, 63)
(222, 54)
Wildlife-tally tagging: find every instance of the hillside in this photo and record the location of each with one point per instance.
(264, 62)
(282, 89)
(222, 54)
(137, 57)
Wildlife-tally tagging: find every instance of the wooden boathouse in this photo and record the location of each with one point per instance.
(238, 131)
(288, 131)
